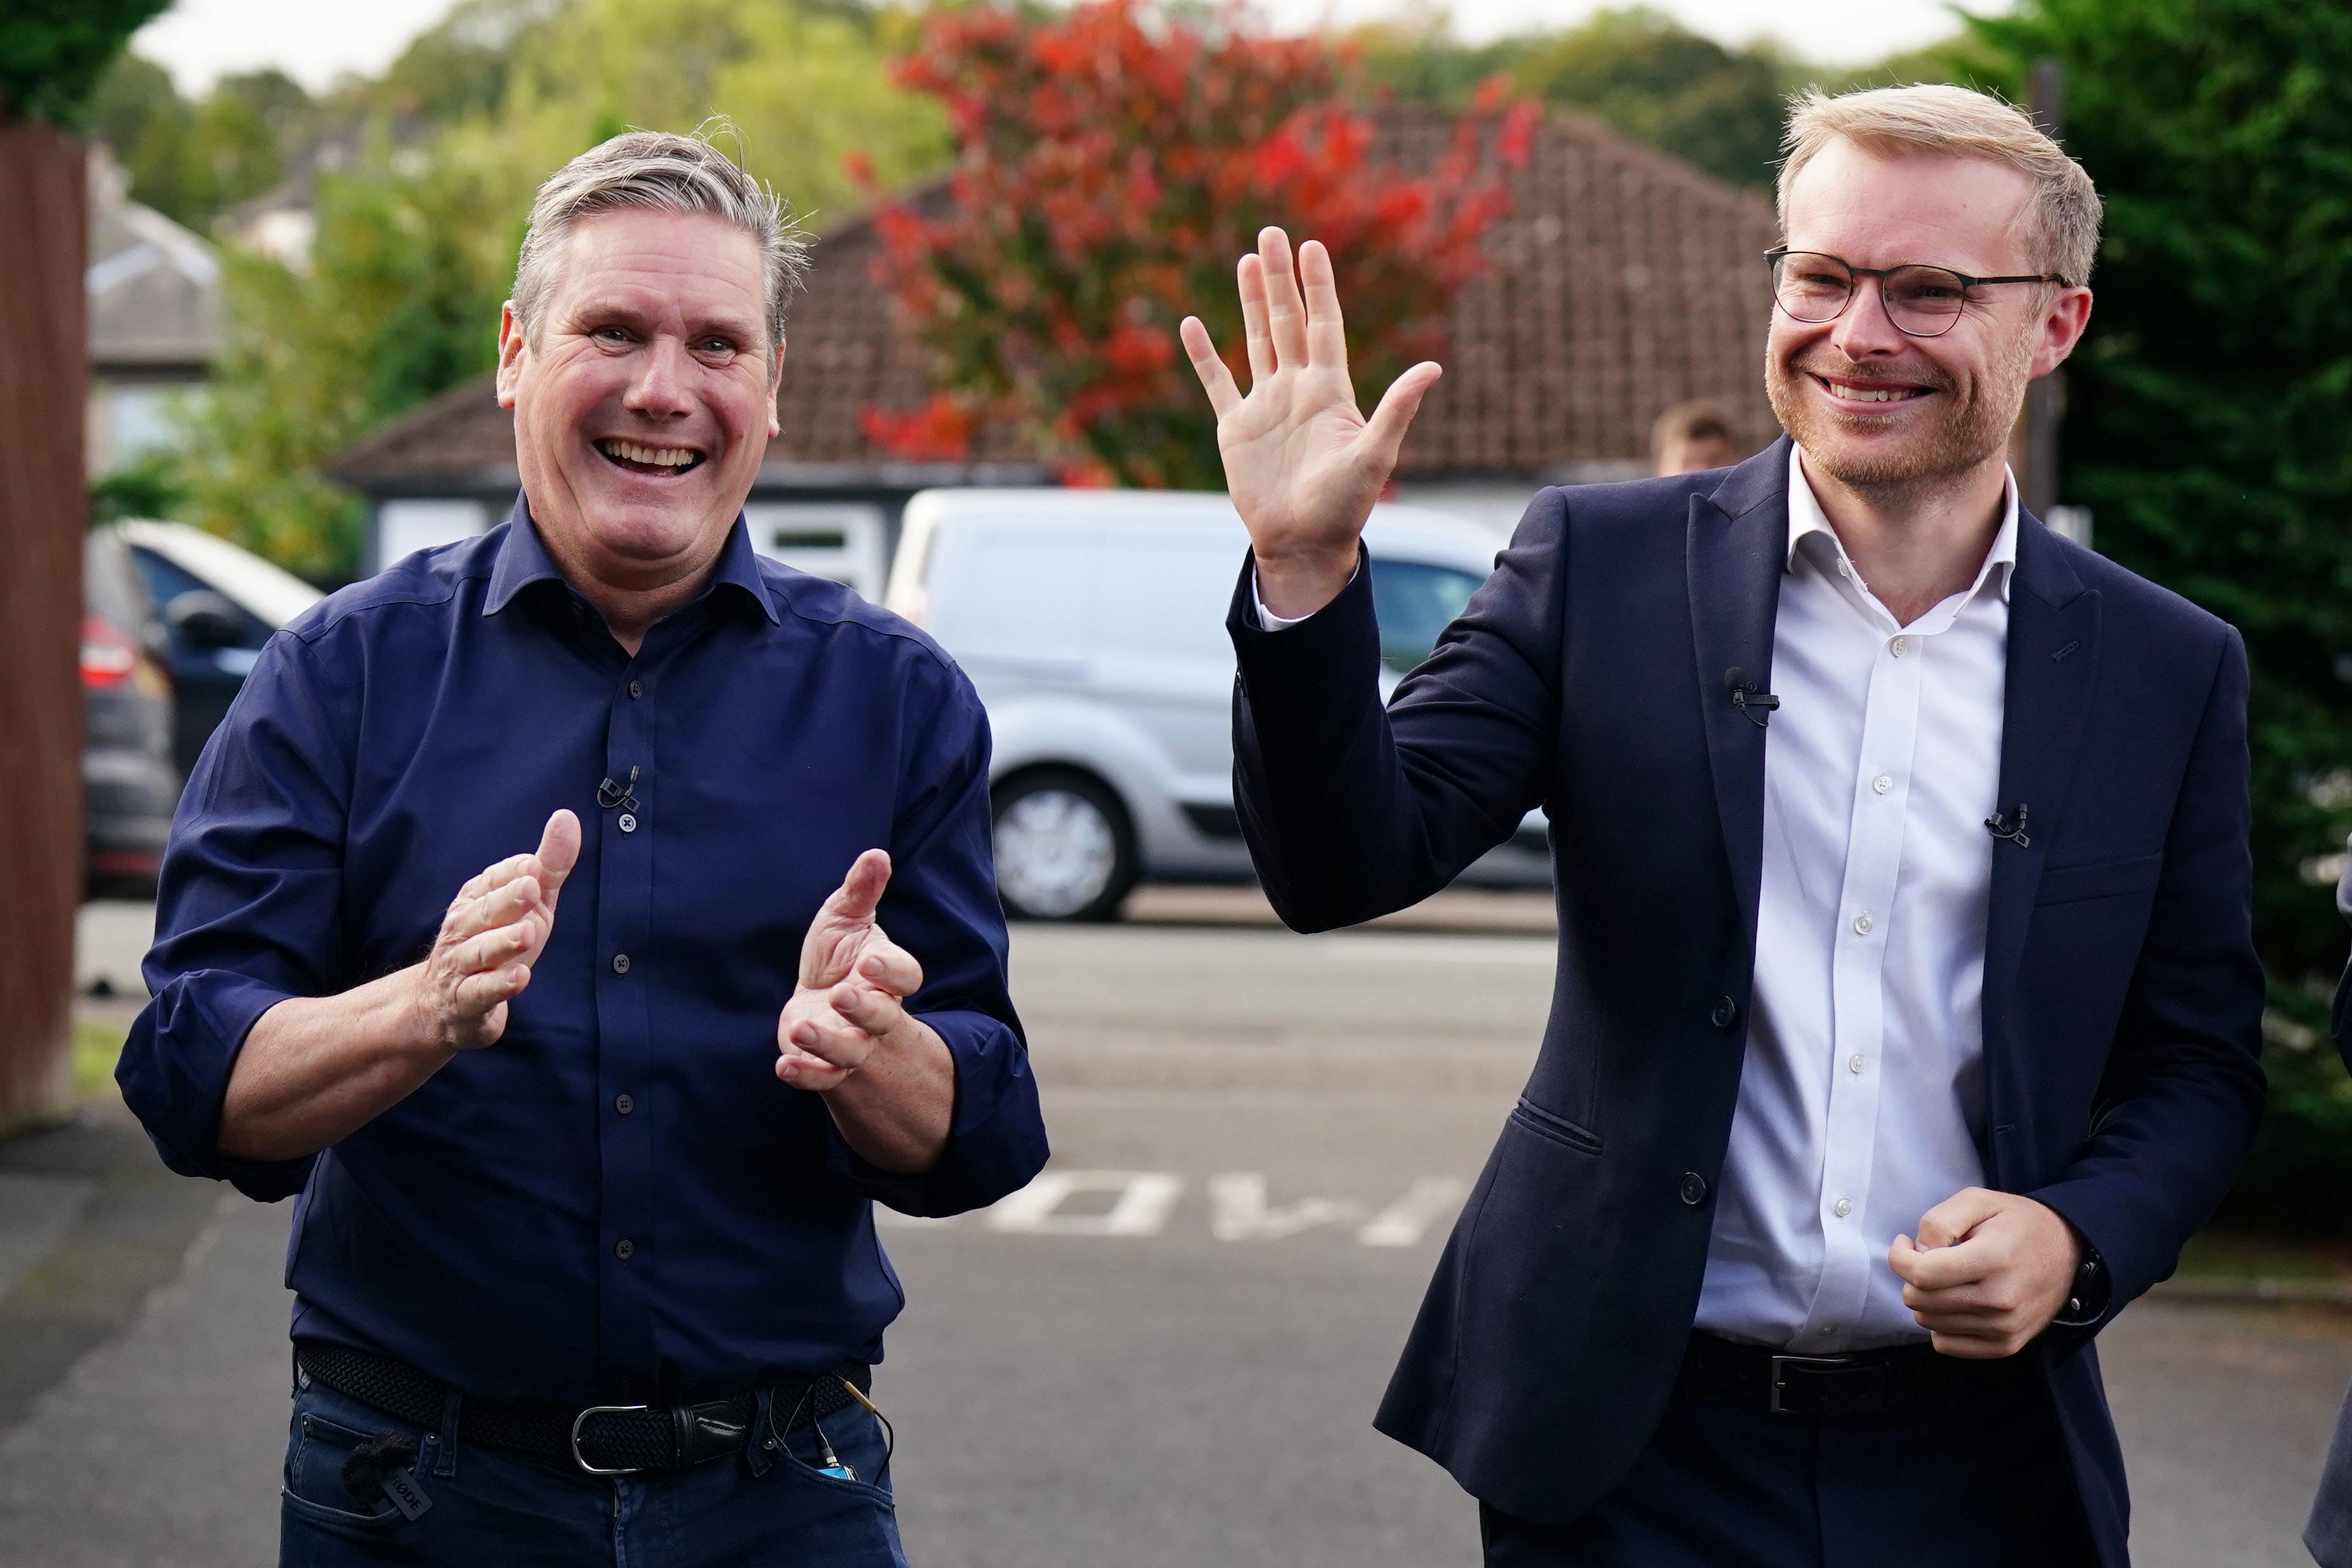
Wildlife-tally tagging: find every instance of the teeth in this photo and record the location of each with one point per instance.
(1871, 394)
(660, 457)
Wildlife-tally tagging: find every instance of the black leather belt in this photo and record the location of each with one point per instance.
(1862, 1383)
(598, 1440)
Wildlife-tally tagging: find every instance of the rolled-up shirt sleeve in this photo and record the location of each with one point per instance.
(942, 906)
(247, 910)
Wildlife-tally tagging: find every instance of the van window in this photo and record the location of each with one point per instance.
(1413, 602)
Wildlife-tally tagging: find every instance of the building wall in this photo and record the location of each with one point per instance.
(43, 224)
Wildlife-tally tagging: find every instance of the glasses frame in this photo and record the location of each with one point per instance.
(1780, 253)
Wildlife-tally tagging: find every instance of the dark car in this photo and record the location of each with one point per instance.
(129, 783)
(217, 606)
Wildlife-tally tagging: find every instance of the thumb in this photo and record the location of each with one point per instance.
(559, 851)
(860, 893)
(1384, 432)
(1952, 1219)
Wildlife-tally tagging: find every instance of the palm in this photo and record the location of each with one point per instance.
(1302, 463)
(843, 931)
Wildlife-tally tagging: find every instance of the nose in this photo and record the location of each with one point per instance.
(658, 388)
(1865, 330)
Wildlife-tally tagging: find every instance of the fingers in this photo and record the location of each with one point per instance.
(1940, 1268)
(506, 944)
(1384, 433)
(855, 902)
(502, 906)
(1327, 333)
(498, 876)
(1957, 1215)
(802, 1070)
(875, 1012)
(1249, 277)
(892, 968)
(1209, 366)
(476, 995)
(559, 851)
(1286, 311)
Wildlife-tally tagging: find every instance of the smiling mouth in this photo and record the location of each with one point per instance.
(640, 458)
(1856, 393)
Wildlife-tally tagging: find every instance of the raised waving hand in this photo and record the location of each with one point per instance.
(1302, 463)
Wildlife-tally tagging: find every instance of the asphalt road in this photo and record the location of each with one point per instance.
(1167, 1352)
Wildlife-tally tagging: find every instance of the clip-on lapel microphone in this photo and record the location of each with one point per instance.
(1748, 697)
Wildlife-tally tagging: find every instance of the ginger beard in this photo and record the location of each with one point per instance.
(1965, 423)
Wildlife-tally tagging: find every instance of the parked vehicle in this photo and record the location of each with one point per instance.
(1092, 623)
(130, 787)
(218, 604)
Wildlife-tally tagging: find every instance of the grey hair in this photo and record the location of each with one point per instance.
(1958, 122)
(654, 171)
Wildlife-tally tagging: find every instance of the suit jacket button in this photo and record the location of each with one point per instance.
(1726, 1014)
(1694, 1188)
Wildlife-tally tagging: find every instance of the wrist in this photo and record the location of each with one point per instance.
(1295, 585)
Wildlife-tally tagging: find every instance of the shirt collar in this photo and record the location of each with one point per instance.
(523, 560)
(1806, 518)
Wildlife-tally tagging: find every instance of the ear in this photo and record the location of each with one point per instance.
(511, 349)
(2064, 323)
(775, 380)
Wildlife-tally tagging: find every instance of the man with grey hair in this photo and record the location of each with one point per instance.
(583, 1259)
(1907, 1015)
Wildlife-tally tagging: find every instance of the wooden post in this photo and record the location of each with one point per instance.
(2033, 447)
(44, 499)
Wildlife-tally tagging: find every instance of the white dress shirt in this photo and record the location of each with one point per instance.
(1863, 1083)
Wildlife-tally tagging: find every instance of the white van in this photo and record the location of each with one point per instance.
(1093, 623)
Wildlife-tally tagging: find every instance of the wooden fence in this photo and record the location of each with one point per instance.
(43, 229)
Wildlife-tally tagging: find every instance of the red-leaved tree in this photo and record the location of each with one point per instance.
(1113, 166)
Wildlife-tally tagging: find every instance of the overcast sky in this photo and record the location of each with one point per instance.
(199, 39)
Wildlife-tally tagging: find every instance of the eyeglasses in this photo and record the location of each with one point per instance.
(1921, 301)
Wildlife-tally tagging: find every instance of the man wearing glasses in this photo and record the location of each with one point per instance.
(1907, 1013)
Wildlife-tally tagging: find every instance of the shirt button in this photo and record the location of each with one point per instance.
(1844, 569)
(1845, 1207)
(1862, 927)
(1900, 646)
(1854, 1063)
(1882, 782)
(628, 822)
(636, 689)
(624, 1104)
(625, 1249)
(1694, 1188)
(1726, 1014)
(620, 964)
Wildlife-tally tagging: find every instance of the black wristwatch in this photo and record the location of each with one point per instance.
(2087, 1297)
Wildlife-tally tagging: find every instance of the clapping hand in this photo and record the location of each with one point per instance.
(1302, 464)
(493, 934)
(854, 981)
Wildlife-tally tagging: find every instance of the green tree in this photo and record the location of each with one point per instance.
(1636, 69)
(397, 305)
(53, 52)
(2205, 426)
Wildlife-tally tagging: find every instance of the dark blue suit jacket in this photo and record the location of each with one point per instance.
(2122, 996)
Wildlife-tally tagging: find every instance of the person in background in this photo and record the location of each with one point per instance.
(1690, 438)
(591, 922)
(1908, 1017)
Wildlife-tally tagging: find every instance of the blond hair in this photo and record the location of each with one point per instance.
(1956, 122)
(655, 171)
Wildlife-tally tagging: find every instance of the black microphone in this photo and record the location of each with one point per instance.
(2008, 832)
(1748, 697)
(609, 794)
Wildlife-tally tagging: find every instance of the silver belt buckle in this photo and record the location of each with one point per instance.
(580, 1419)
(1779, 1361)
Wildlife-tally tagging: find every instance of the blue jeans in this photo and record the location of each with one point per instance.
(766, 1506)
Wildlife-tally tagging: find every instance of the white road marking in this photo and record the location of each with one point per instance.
(1237, 1210)
(1428, 1201)
(1144, 1200)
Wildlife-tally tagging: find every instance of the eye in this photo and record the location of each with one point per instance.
(610, 334)
(715, 344)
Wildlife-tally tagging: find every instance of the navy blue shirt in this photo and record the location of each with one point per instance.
(619, 1200)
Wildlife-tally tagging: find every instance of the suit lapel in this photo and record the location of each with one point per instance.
(1737, 551)
(2053, 662)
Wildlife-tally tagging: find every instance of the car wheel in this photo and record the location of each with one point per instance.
(1065, 850)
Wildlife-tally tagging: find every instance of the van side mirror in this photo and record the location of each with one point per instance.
(205, 619)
